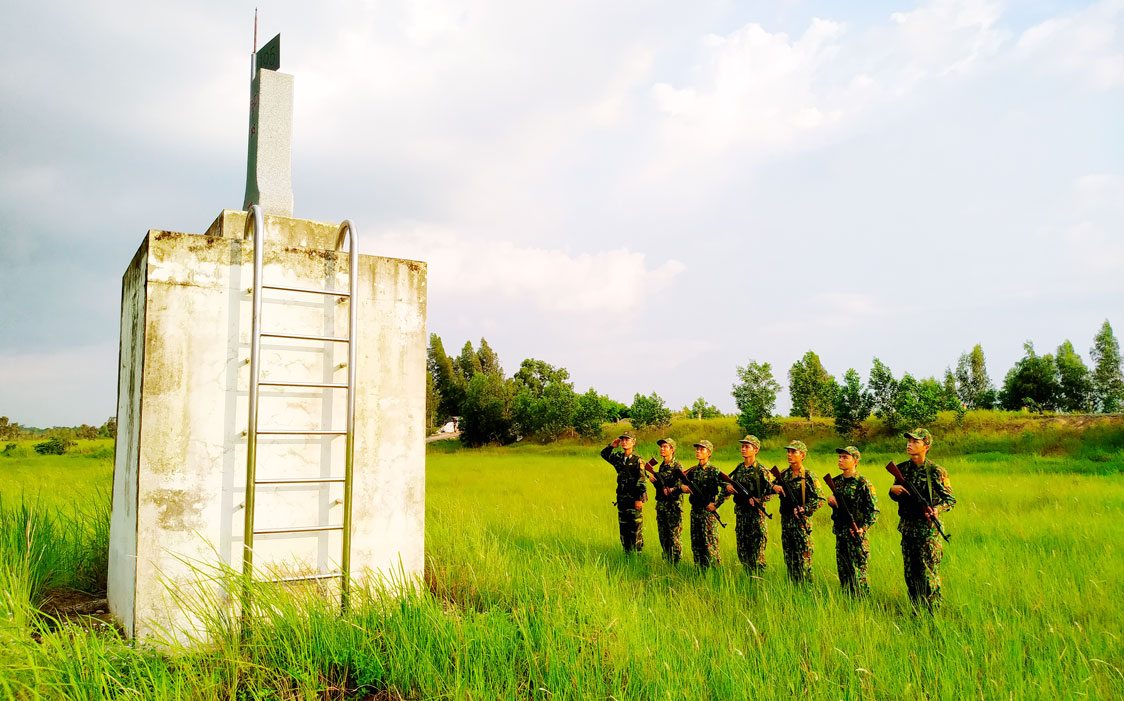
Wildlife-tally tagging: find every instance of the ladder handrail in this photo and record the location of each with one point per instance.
(255, 223)
(348, 229)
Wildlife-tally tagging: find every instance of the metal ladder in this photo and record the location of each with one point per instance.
(255, 224)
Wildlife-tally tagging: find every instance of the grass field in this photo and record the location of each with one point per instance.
(527, 595)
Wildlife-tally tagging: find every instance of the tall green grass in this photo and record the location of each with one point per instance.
(526, 594)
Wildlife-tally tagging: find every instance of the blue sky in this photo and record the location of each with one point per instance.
(647, 193)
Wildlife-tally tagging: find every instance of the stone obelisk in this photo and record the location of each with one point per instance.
(269, 180)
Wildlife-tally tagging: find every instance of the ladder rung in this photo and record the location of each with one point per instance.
(299, 480)
(329, 385)
(307, 337)
(302, 578)
(298, 529)
(307, 290)
(280, 432)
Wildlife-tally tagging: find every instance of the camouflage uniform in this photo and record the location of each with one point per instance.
(851, 552)
(704, 538)
(796, 532)
(631, 488)
(669, 511)
(921, 544)
(750, 527)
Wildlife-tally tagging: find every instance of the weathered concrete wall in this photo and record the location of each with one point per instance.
(123, 528)
(191, 345)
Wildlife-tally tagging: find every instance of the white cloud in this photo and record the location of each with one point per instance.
(750, 87)
(1088, 44)
(945, 36)
(546, 280)
(764, 93)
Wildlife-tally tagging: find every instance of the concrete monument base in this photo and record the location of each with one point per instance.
(179, 472)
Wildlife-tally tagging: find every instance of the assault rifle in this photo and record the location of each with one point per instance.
(777, 480)
(695, 490)
(842, 504)
(654, 476)
(742, 491)
(784, 493)
(930, 510)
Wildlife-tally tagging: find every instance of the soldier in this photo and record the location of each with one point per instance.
(750, 528)
(632, 491)
(800, 497)
(850, 522)
(704, 504)
(921, 546)
(669, 501)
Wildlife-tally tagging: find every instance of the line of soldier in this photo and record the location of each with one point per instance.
(854, 503)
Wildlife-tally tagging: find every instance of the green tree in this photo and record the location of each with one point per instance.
(1108, 378)
(702, 410)
(467, 365)
(109, 428)
(916, 403)
(1075, 383)
(486, 412)
(852, 405)
(544, 400)
(9, 430)
(86, 432)
(950, 398)
(432, 401)
(614, 410)
(556, 409)
(536, 374)
(449, 391)
(1032, 383)
(974, 387)
(755, 394)
(884, 391)
(649, 411)
(589, 414)
(489, 361)
(812, 387)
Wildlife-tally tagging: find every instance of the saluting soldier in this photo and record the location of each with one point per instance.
(669, 501)
(750, 529)
(704, 504)
(632, 490)
(921, 545)
(800, 497)
(851, 520)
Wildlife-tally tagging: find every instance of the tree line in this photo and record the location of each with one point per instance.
(537, 402)
(13, 431)
(1059, 382)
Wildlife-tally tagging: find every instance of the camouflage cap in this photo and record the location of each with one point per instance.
(797, 445)
(628, 435)
(752, 440)
(850, 450)
(920, 434)
(668, 441)
(705, 444)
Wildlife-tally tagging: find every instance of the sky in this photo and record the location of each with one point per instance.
(649, 194)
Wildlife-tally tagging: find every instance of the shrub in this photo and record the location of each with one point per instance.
(54, 446)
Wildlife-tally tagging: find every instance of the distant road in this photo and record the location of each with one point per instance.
(442, 436)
